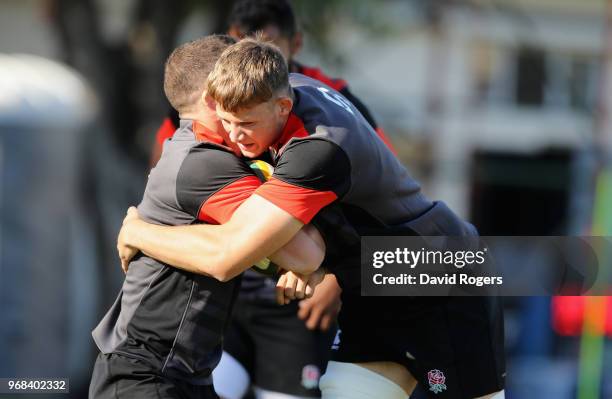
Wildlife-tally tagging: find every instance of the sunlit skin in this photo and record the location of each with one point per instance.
(205, 113)
(256, 128)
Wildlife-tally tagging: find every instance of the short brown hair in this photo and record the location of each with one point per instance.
(188, 67)
(248, 73)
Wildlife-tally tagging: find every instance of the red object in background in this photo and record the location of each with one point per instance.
(568, 314)
(317, 74)
(165, 131)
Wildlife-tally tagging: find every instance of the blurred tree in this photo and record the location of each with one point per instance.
(126, 68)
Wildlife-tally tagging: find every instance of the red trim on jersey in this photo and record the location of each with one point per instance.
(302, 203)
(220, 206)
(294, 127)
(385, 139)
(202, 133)
(165, 131)
(316, 73)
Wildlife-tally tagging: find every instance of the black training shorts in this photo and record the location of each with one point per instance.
(275, 347)
(453, 346)
(116, 377)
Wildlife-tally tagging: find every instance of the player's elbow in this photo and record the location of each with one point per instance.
(219, 271)
(206, 266)
(224, 277)
(317, 260)
(221, 274)
(223, 269)
(317, 247)
(315, 254)
(311, 261)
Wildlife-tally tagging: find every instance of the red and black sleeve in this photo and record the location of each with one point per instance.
(212, 184)
(310, 174)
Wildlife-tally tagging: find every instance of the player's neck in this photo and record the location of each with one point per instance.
(201, 118)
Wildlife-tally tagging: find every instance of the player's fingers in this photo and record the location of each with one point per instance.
(120, 242)
(280, 289)
(131, 214)
(308, 291)
(290, 287)
(300, 288)
(313, 320)
(325, 323)
(120, 253)
(313, 280)
(304, 309)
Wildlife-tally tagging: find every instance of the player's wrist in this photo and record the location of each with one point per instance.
(134, 231)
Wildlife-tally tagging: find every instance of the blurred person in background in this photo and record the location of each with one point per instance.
(277, 21)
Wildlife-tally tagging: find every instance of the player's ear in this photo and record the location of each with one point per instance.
(285, 104)
(208, 101)
(235, 32)
(296, 43)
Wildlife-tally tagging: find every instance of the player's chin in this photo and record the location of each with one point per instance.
(251, 153)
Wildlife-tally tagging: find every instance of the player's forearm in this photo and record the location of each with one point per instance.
(219, 251)
(256, 230)
(193, 248)
(303, 254)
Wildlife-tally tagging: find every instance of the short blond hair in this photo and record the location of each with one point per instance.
(248, 73)
(188, 67)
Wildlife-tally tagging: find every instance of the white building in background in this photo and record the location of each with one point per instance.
(48, 265)
(520, 83)
(512, 76)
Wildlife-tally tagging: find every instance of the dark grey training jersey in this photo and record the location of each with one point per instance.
(173, 319)
(329, 154)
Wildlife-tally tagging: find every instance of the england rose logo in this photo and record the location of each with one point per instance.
(436, 381)
(310, 376)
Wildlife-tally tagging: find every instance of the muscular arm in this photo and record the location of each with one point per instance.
(262, 224)
(256, 230)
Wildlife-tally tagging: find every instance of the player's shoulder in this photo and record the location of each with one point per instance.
(205, 169)
(208, 165)
(312, 150)
(320, 108)
(314, 162)
(208, 159)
